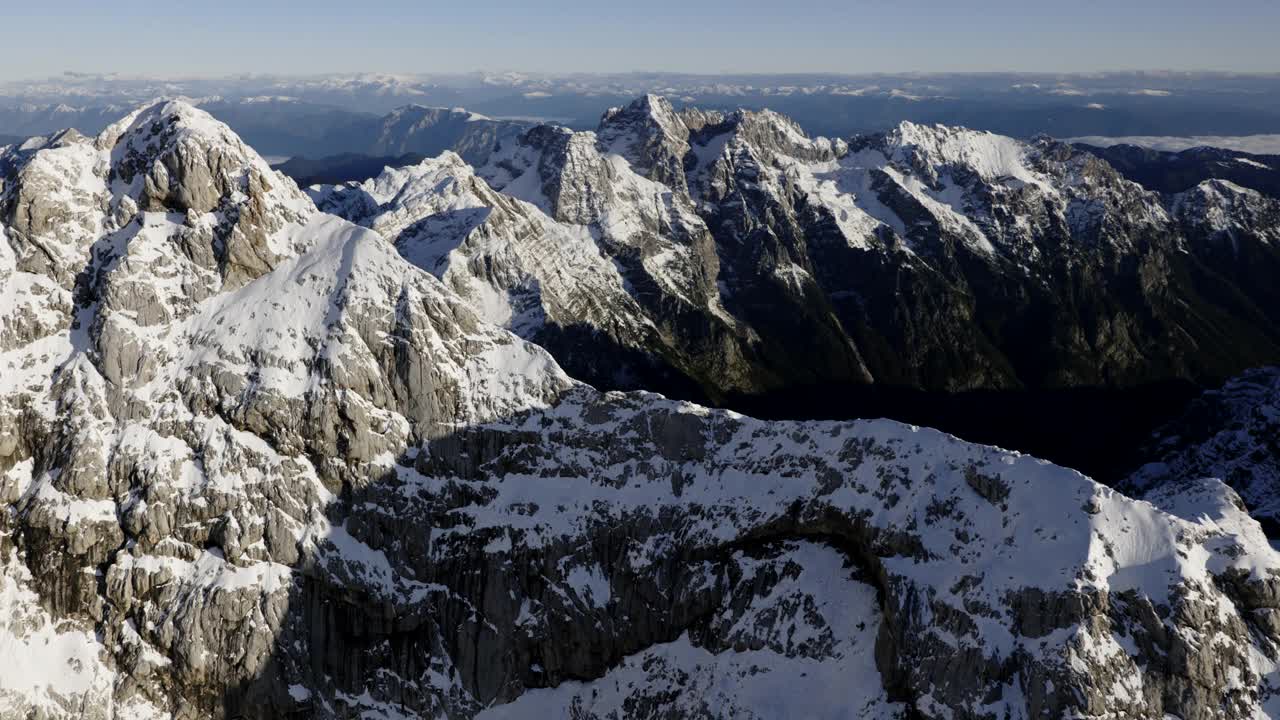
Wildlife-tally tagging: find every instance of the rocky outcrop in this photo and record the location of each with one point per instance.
(1232, 433)
(319, 484)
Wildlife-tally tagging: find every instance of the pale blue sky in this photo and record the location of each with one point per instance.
(212, 37)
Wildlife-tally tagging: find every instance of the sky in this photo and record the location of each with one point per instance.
(219, 37)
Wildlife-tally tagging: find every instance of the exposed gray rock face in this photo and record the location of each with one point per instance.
(226, 360)
(318, 484)
(795, 635)
(930, 257)
(551, 282)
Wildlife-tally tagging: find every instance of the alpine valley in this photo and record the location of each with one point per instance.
(392, 448)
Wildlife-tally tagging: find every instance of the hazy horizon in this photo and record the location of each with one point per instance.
(712, 38)
(1080, 74)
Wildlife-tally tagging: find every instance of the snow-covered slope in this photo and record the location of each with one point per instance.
(256, 463)
(1009, 587)
(515, 265)
(609, 262)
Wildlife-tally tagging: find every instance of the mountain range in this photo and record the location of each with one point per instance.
(283, 115)
(1175, 172)
(710, 256)
(270, 453)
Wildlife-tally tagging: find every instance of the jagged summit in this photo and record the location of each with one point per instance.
(161, 214)
(928, 149)
(163, 120)
(651, 135)
(1222, 209)
(71, 203)
(416, 192)
(174, 157)
(651, 109)
(517, 266)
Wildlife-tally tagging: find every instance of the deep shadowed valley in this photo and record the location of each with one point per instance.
(1102, 432)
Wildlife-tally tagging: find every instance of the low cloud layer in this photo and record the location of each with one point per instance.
(1256, 144)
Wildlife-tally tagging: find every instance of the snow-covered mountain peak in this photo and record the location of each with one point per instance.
(400, 197)
(770, 136)
(1225, 188)
(651, 135)
(157, 126)
(518, 266)
(1220, 208)
(1221, 193)
(930, 149)
(174, 156)
(651, 109)
(415, 112)
(130, 231)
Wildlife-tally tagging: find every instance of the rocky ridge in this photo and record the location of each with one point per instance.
(431, 130)
(1172, 172)
(1231, 433)
(930, 257)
